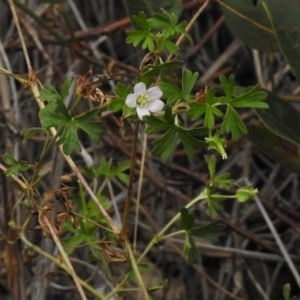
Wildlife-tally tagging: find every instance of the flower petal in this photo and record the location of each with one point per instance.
(139, 88)
(131, 100)
(155, 106)
(142, 111)
(154, 93)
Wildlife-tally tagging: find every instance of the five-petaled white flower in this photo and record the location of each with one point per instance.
(144, 100)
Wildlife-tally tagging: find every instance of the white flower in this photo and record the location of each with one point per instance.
(144, 100)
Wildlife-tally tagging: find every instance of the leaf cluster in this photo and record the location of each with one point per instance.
(157, 33)
(56, 114)
(208, 231)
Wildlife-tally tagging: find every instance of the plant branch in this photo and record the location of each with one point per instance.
(158, 237)
(123, 232)
(54, 260)
(65, 258)
(137, 273)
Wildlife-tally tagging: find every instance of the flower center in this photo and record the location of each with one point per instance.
(142, 100)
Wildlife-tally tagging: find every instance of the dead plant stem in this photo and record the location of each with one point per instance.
(55, 261)
(123, 232)
(65, 258)
(138, 197)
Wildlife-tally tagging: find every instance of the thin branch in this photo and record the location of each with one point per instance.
(65, 257)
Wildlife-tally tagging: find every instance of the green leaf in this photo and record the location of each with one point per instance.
(188, 81)
(51, 119)
(252, 98)
(171, 47)
(190, 251)
(69, 138)
(214, 203)
(227, 85)
(196, 110)
(281, 118)
(165, 145)
(50, 94)
(71, 243)
(174, 93)
(94, 129)
(232, 123)
(224, 180)
(287, 292)
(209, 231)
(16, 166)
(142, 35)
(189, 143)
(211, 164)
(9, 159)
(122, 92)
(171, 91)
(64, 92)
(28, 133)
(156, 124)
(187, 219)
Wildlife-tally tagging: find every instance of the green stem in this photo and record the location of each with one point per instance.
(135, 268)
(117, 289)
(158, 237)
(167, 236)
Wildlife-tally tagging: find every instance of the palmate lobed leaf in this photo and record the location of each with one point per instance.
(142, 21)
(28, 133)
(190, 251)
(189, 143)
(188, 81)
(164, 146)
(211, 165)
(69, 138)
(253, 98)
(209, 231)
(171, 90)
(51, 119)
(232, 123)
(227, 85)
(224, 180)
(186, 219)
(16, 166)
(196, 110)
(50, 94)
(94, 129)
(214, 203)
